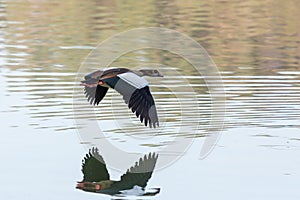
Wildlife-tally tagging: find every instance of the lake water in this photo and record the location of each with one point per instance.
(255, 46)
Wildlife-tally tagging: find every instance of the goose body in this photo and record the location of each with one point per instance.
(133, 182)
(130, 84)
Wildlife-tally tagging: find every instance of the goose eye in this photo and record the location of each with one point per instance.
(155, 71)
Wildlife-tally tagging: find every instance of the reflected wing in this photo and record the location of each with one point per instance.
(138, 174)
(136, 93)
(93, 167)
(90, 84)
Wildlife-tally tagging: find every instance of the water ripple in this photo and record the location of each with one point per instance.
(258, 60)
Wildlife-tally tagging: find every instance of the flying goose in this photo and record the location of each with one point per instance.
(133, 182)
(130, 84)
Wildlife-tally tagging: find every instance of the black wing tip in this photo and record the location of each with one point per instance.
(94, 150)
(153, 155)
(92, 153)
(89, 98)
(100, 94)
(142, 104)
(153, 124)
(145, 164)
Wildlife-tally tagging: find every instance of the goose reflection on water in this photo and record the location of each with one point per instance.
(133, 183)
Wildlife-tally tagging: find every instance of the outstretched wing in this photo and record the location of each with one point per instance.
(90, 84)
(90, 93)
(137, 95)
(138, 175)
(100, 94)
(93, 167)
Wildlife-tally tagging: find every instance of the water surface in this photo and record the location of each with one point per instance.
(254, 44)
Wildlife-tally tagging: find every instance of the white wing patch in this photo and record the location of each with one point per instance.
(136, 191)
(133, 79)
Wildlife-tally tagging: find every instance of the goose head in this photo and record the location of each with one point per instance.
(151, 72)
